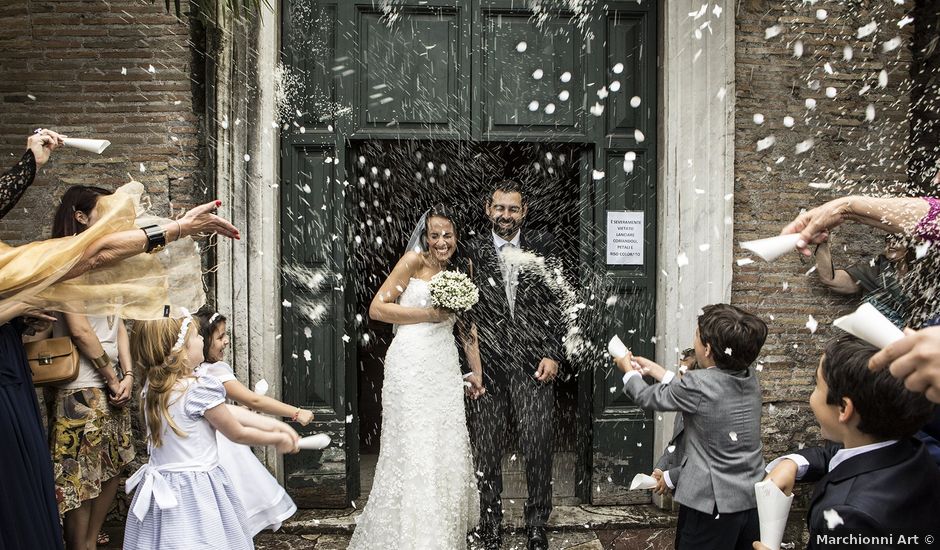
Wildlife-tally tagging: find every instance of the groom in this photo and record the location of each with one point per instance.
(519, 323)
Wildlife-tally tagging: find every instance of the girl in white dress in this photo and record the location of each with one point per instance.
(425, 494)
(266, 503)
(184, 498)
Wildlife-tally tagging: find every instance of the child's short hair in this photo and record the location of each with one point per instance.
(735, 335)
(886, 408)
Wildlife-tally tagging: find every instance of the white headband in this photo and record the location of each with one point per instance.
(181, 337)
(214, 317)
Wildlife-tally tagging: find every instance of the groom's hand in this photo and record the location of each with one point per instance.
(547, 371)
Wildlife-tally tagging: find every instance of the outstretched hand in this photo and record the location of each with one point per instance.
(814, 225)
(642, 365)
(203, 219)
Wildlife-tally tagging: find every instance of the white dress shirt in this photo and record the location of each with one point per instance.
(510, 271)
(841, 456)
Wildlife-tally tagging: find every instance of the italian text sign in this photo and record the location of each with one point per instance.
(625, 238)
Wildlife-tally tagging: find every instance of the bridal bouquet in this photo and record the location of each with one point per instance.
(454, 291)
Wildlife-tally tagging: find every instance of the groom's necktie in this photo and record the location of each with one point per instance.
(510, 275)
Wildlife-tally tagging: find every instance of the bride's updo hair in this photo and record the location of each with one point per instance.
(458, 260)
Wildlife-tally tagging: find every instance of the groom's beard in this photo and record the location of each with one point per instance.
(508, 230)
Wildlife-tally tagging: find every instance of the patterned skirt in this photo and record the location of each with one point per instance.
(90, 441)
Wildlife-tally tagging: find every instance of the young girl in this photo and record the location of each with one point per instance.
(266, 503)
(185, 499)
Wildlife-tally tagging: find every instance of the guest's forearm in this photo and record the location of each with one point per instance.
(893, 214)
(118, 246)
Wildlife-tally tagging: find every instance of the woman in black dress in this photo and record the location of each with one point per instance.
(29, 516)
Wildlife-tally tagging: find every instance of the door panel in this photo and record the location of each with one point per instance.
(313, 321)
(412, 72)
(532, 83)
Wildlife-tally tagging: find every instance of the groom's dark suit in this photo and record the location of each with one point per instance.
(511, 346)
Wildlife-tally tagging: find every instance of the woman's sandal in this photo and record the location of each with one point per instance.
(103, 538)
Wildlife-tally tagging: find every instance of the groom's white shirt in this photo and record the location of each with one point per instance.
(498, 241)
(509, 273)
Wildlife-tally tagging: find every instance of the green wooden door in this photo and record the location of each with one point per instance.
(622, 434)
(483, 70)
(314, 335)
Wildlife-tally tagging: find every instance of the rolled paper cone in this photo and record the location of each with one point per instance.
(642, 481)
(870, 325)
(616, 347)
(773, 508)
(314, 442)
(91, 145)
(772, 248)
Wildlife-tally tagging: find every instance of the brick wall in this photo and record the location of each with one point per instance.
(63, 66)
(850, 153)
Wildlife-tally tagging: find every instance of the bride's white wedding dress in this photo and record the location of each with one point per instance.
(425, 495)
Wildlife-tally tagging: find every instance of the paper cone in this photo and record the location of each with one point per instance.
(774, 247)
(870, 325)
(261, 387)
(642, 481)
(314, 442)
(773, 508)
(91, 145)
(616, 348)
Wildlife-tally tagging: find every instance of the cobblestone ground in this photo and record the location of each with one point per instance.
(610, 539)
(633, 539)
(581, 527)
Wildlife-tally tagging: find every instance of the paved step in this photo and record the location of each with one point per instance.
(612, 539)
(570, 518)
(571, 527)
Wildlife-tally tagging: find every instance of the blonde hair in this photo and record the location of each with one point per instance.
(152, 345)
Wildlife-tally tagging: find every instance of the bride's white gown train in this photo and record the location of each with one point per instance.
(425, 495)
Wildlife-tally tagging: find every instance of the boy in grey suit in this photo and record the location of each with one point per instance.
(721, 408)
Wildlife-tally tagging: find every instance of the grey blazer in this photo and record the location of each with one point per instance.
(670, 462)
(721, 412)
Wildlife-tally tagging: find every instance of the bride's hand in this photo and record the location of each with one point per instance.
(474, 386)
(438, 315)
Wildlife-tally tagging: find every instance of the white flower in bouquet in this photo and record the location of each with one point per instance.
(454, 291)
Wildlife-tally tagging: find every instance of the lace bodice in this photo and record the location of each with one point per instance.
(15, 181)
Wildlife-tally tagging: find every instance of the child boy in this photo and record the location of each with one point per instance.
(721, 407)
(878, 487)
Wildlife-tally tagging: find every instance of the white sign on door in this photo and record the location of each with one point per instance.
(625, 238)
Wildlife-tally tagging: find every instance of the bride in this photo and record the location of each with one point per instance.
(425, 494)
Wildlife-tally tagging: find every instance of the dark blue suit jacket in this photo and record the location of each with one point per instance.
(887, 492)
